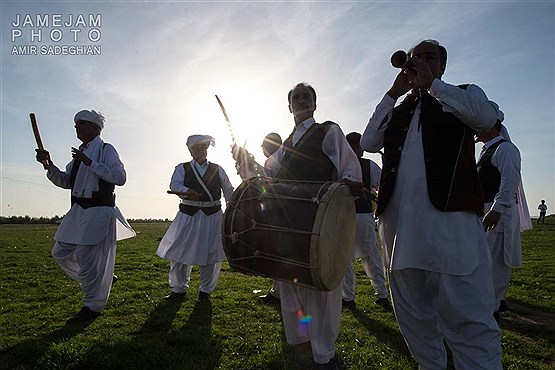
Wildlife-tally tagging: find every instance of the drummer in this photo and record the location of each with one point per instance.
(193, 238)
(313, 152)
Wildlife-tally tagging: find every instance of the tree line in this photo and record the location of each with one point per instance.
(57, 219)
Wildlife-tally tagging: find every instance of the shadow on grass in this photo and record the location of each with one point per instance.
(529, 321)
(191, 346)
(30, 353)
(384, 334)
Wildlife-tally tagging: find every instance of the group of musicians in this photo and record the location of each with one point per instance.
(430, 209)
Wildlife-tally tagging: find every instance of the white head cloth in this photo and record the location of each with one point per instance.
(523, 212)
(194, 139)
(93, 116)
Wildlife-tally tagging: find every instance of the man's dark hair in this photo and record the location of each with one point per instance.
(497, 125)
(272, 142)
(302, 84)
(353, 138)
(442, 50)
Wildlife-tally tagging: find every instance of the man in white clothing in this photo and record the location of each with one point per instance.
(313, 152)
(499, 171)
(430, 206)
(85, 245)
(193, 237)
(366, 243)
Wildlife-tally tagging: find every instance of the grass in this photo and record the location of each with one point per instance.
(139, 330)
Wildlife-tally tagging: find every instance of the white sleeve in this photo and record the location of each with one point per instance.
(60, 178)
(372, 137)
(227, 188)
(273, 163)
(338, 150)
(506, 159)
(176, 182)
(110, 168)
(470, 105)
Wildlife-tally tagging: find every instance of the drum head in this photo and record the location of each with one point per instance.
(331, 249)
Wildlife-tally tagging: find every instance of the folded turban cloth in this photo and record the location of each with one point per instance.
(206, 139)
(92, 116)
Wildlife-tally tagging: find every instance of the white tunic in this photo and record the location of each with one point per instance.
(416, 234)
(506, 159)
(90, 226)
(195, 240)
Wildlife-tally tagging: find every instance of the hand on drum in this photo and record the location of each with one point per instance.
(356, 188)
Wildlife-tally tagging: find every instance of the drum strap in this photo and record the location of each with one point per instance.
(199, 179)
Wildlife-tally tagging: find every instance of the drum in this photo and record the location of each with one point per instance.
(299, 232)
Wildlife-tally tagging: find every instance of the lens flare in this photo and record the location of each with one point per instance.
(304, 320)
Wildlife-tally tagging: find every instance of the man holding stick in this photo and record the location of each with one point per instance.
(85, 246)
(193, 238)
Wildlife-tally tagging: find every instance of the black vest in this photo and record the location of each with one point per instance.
(490, 177)
(363, 204)
(452, 180)
(104, 197)
(306, 161)
(212, 181)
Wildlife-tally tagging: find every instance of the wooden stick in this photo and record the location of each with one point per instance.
(45, 163)
(177, 192)
(227, 120)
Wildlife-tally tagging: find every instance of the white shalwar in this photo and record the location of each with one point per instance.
(366, 248)
(194, 240)
(504, 239)
(308, 314)
(440, 268)
(85, 245)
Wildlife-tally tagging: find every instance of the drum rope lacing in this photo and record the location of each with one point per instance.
(234, 235)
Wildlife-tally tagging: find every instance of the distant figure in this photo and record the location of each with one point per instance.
(193, 238)
(247, 167)
(543, 210)
(430, 207)
(499, 171)
(85, 245)
(366, 244)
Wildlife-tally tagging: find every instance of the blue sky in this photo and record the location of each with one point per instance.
(162, 62)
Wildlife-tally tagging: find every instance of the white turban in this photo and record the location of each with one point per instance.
(206, 139)
(92, 116)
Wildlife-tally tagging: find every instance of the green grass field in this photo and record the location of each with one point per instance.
(139, 330)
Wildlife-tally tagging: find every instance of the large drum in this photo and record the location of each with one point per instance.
(299, 232)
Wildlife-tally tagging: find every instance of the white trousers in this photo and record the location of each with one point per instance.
(373, 266)
(432, 307)
(92, 266)
(501, 272)
(311, 315)
(180, 276)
